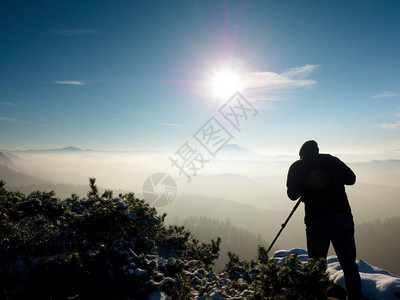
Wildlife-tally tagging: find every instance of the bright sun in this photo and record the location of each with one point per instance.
(225, 84)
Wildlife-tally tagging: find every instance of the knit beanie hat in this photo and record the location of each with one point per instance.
(309, 148)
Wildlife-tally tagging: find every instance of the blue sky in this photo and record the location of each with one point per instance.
(125, 75)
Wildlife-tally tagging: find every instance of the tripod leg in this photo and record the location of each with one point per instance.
(284, 225)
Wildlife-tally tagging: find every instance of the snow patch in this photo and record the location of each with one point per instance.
(157, 296)
(376, 282)
(281, 255)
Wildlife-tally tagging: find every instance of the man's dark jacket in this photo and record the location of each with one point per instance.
(319, 180)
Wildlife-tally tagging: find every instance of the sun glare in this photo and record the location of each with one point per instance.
(225, 84)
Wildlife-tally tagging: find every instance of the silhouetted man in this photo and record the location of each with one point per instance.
(319, 180)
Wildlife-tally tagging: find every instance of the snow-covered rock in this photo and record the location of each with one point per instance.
(157, 295)
(140, 272)
(281, 255)
(376, 282)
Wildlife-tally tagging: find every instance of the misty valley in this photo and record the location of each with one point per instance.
(245, 205)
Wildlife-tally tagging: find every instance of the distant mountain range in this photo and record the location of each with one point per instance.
(74, 149)
(235, 147)
(64, 149)
(229, 151)
(227, 148)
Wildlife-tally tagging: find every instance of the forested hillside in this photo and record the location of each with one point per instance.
(379, 243)
(233, 238)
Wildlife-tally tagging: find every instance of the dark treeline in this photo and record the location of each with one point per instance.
(378, 243)
(234, 239)
(62, 190)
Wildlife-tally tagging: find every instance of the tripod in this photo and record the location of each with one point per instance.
(284, 225)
